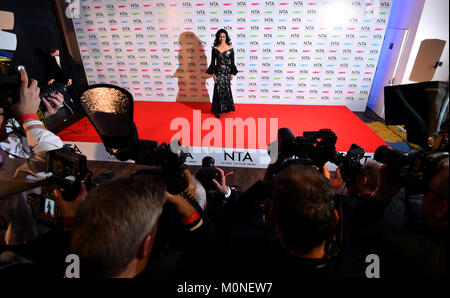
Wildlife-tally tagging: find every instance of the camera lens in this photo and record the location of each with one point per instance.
(208, 162)
(386, 154)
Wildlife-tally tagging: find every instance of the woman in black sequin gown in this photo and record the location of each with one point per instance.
(222, 68)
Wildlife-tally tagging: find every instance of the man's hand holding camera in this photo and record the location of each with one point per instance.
(222, 186)
(181, 204)
(68, 209)
(53, 103)
(25, 109)
(190, 217)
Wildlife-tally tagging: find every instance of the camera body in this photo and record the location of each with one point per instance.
(415, 169)
(172, 164)
(10, 83)
(45, 91)
(65, 162)
(350, 163)
(44, 204)
(68, 169)
(318, 146)
(207, 173)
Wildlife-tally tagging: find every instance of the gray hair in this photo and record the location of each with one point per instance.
(113, 221)
(370, 170)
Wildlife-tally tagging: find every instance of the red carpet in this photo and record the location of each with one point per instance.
(153, 121)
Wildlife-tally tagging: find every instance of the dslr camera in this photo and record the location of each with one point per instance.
(172, 164)
(415, 169)
(350, 163)
(68, 170)
(207, 173)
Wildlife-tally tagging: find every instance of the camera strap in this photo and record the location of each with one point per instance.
(42, 117)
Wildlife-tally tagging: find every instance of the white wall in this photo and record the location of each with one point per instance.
(424, 19)
(405, 14)
(434, 24)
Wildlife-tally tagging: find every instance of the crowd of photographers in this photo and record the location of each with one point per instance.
(297, 222)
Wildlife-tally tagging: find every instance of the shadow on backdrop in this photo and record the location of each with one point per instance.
(191, 72)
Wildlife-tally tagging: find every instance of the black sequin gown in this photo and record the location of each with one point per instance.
(222, 65)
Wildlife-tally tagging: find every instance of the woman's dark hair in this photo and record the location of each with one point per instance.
(217, 42)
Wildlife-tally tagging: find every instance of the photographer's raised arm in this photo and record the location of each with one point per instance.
(19, 174)
(199, 253)
(39, 138)
(184, 208)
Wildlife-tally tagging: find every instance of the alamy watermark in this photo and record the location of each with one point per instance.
(373, 269)
(73, 269)
(237, 133)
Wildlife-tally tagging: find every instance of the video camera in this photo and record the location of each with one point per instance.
(68, 170)
(316, 146)
(207, 173)
(415, 169)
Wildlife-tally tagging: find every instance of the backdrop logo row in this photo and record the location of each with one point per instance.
(322, 52)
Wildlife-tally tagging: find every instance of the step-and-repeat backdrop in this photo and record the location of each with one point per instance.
(319, 52)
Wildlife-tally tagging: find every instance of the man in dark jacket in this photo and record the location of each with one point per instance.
(61, 67)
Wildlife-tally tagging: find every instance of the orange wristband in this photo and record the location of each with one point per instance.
(191, 218)
(24, 117)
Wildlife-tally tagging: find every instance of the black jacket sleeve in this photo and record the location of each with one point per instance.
(199, 257)
(68, 66)
(51, 64)
(47, 251)
(212, 66)
(234, 70)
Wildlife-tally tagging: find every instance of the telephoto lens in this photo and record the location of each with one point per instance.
(386, 154)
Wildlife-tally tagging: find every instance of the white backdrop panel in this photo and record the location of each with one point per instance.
(321, 52)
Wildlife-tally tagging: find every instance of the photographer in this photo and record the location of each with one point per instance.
(362, 212)
(417, 251)
(302, 217)
(125, 213)
(18, 174)
(219, 196)
(45, 255)
(221, 201)
(365, 182)
(113, 230)
(213, 180)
